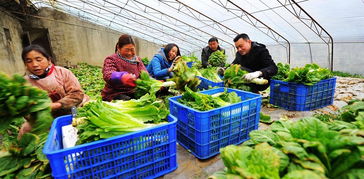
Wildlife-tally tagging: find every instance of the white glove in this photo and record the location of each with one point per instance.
(252, 75)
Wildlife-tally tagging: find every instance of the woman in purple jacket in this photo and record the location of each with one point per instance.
(120, 71)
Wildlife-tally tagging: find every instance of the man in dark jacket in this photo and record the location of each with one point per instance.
(254, 58)
(208, 50)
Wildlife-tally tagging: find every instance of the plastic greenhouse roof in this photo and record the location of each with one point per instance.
(190, 23)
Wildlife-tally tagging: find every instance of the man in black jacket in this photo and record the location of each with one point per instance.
(254, 58)
(208, 50)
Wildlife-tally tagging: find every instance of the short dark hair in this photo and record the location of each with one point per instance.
(37, 48)
(168, 48)
(213, 39)
(124, 39)
(243, 36)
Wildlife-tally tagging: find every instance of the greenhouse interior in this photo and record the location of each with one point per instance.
(182, 89)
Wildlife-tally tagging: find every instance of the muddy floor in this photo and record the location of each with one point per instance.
(191, 167)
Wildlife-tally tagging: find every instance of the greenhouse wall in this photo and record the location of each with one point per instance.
(74, 40)
(10, 44)
(347, 55)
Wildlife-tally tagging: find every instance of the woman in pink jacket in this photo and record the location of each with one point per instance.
(62, 86)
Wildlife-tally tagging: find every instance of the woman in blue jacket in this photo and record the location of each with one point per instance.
(162, 64)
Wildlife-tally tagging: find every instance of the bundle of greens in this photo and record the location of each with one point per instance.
(146, 84)
(308, 147)
(283, 70)
(191, 58)
(217, 59)
(23, 158)
(99, 119)
(90, 78)
(308, 75)
(184, 76)
(261, 161)
(145, 61)
(204, 102)
(233, 78)
(210, 73)
(349, 120)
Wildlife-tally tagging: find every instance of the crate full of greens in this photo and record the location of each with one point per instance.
(210, 78)
(211, 119)
(302, 88)
(119, 139)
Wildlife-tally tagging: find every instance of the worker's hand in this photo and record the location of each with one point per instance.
(176, 59)
(55, 106)
(170, 69)
(25, 128)
(128, 80)
(252, 75)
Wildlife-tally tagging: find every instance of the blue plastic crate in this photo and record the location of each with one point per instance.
(299, 97)
(205, 83)
(189, 64)
(148, 153)
(205, 132)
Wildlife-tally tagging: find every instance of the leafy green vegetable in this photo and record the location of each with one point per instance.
(146, 84)
(191, 58)
(308, 75)
(344, 74)
(100, 119)
(246, 162)
(145, 61)
(210, 73)
(217, 59)
(265, 118)
(283, 70)
(90, 78)
(313, 148)
(233, 78)
(184, 76)
(204, 102)
(23, 158)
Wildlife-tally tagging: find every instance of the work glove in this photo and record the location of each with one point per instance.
(252, 75)
(128, 80)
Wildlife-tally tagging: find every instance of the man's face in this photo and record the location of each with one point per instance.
(243, 46)
(213, 45)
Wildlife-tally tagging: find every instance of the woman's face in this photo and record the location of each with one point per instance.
(36, 63)
(127, 51)
(172, 53)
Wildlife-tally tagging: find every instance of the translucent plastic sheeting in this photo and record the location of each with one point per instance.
(190, 23)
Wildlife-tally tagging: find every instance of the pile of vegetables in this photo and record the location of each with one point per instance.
(260, 161)
(313, 147)
(99, 119)
(308, 75)
(184, 76)
(90, 78)
(23, 158)
(204, 102)
(283, 70)
(145, 61)
(210, 73)
(233, 78)
(191, 58)
(146, 84)
(217, 59)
